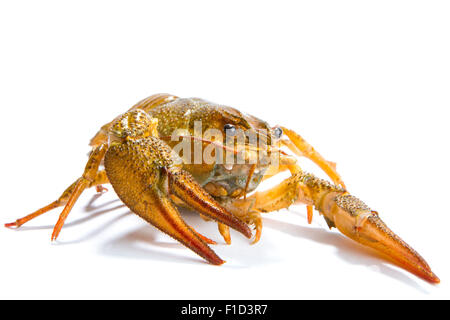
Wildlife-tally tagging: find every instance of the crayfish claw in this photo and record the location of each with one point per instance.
(353, 218)
(358, 222)
(184, 186)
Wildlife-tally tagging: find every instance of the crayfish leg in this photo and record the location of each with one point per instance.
(37, 213)
(224, 230)
(100, 179)
(245, 211)
(86, 180)
(309, 211)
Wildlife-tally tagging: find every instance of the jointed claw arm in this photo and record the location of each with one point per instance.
(347, 213)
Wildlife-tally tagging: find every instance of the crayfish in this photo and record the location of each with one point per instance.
(168, 152)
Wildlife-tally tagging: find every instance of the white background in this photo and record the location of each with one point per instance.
(366, 82)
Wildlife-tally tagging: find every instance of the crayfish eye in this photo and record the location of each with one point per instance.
(278, 132)
(230, 129)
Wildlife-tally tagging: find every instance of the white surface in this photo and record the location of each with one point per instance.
(367, 83)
